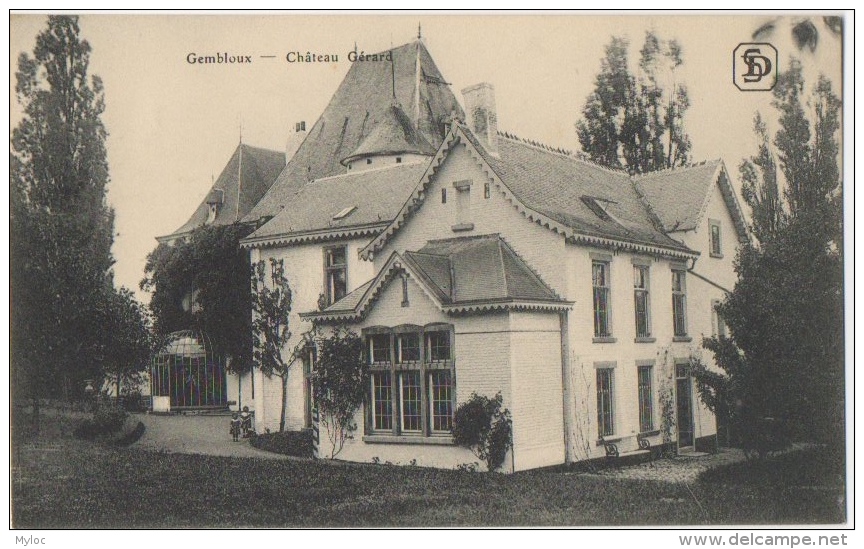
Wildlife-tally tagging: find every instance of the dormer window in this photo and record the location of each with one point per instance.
(343, 213)
(211, 213)
(598, 206)
(214, 201)
(398, 159)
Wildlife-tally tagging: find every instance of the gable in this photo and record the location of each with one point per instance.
(679, 197)
(548, 189)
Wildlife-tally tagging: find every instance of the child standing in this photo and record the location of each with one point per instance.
(235, 426)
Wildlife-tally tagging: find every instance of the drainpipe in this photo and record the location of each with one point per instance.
(566, 388)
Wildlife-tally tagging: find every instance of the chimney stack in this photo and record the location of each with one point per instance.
(482, 115)
(295, 140)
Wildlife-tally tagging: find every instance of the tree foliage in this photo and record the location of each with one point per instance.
(785, 314)
(127, 342)
(203, 281)
(635, 121)
(61, 226)
(340, 381)
(480, 425)
(271, 308)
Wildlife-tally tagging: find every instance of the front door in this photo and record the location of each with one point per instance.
(684, 398)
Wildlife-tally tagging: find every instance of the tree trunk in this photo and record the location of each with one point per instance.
(284, 403)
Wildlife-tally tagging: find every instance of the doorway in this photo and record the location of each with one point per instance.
(684, 406)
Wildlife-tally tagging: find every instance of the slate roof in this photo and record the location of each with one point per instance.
(677, 196)
(376, 194)
(364, 95)
(393, 134)
(466, 273)
(260, 168)
(479, 268)
(557, 186)
(588, 202)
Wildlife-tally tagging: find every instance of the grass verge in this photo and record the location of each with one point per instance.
(68, 483)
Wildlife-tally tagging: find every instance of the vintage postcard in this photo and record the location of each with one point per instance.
(281, 270)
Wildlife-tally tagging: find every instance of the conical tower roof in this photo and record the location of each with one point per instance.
(393, 134)
(405, 75)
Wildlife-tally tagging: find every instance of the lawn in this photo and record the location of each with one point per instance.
(67, 483)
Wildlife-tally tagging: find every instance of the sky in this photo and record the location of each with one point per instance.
(173, 125)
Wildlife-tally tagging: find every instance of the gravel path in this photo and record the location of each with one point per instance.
(681, 468)
(196, 434)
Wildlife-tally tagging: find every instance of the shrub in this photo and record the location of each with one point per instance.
(107, 420)
(480, 425)
(290, 443)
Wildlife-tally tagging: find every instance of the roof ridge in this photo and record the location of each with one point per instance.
(688, 166)
(559, 151)
(469, 237)
(361, 172)
(418, 252)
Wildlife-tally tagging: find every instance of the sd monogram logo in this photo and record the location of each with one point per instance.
(754, 66)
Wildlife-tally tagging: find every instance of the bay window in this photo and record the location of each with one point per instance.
(412, 381)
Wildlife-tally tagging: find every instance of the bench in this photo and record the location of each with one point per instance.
(614, 455)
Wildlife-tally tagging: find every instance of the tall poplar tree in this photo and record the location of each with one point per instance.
(61, 226)
(635, 120)
(786, 312)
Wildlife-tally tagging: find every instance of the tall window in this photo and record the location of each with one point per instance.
(420, 360)
(441, 400)
(716, 243)
(335, 274)
(640, 294)
(605, 409)
(717, 320)
(679, 303)
(600, 283)
(646, 400)
(382, 413)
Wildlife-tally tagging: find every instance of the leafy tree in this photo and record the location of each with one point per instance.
(785, 314)
(61, 226)
(636, 121)
(340, 380)
(804, 32)
(480, 425)
(271, 307)
(128, 344)
(203, 281)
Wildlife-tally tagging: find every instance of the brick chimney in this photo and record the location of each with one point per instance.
(295, 140)
(482, 115)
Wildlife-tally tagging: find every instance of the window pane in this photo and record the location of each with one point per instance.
(715, 239)
(642, 314)
(679, 303)
(600, 281)
(438, 344)
(605, 419)
(440, 403)
(408, 347)
(409, 399)
(640, 288)
(335, 256)
(646, 404)
(382, 414)
(601, 312)
(336, 284)
(379, 348)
